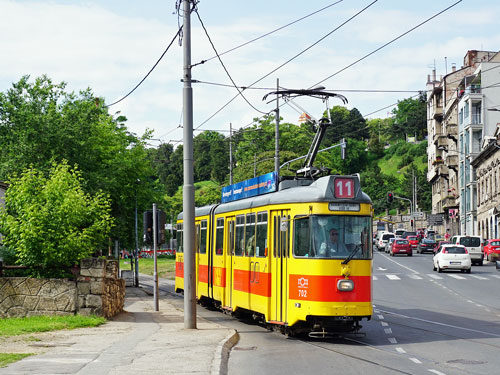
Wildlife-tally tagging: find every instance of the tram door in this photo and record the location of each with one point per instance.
(279, 261)
(229, 253)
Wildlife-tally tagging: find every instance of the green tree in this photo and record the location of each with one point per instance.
(410, 117)
(41, 123)
(50, 222)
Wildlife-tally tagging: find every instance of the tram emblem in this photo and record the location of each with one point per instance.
(303, 282)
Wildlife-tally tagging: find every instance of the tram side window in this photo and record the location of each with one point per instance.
(180, 242)
(219, 236)
(250, 235)
(203, 237)
(261, 242)
(239, 245)
(302, 237)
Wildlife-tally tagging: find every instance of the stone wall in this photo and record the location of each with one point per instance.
(97, 290)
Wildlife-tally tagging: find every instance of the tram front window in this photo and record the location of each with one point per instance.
(332, 237)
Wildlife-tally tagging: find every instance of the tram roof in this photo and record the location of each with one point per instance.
(291, 191)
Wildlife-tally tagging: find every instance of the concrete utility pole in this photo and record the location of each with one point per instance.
(155, 270)
(277, 136)
(188, 188)
(230, 153)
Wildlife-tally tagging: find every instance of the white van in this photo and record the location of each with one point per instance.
(473, 246)
(382, 239)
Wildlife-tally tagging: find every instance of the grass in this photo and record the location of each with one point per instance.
(166, 266)
(20, 326)
(6, 358)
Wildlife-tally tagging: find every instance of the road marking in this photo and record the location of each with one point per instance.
(440, 324)
(388, 331)
(392, 340)
(399, 264)
(479, 277)
(381, 269)
(381, 317)
(384, 324)
(400, 350)
(392, 277)
(457, 277)
(437, 372)
(436, 277)
(415, 277)
(414, 360)
(375, 278)
(495, 276)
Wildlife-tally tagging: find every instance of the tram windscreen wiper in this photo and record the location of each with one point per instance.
(356, 249)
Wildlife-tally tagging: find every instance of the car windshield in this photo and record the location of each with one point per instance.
(332, 236)
(401, 242)
(412, 238)
(387, 236)
(455, 250)
(495, 243)
(426, 240)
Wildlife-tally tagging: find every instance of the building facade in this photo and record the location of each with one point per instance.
(455, 125)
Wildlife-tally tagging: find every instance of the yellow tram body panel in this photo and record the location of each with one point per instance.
(285, 288)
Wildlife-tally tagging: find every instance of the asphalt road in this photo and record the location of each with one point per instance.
(424, 323)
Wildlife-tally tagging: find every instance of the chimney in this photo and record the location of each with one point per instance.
(434, 75)
(428, 78)
(453, 67)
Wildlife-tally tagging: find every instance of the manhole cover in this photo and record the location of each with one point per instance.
(243, 348)
(466, 361)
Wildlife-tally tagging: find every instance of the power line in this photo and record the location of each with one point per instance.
(386, 44)
(289, 60)
(146, 76)
(220, 60)
(269, 33)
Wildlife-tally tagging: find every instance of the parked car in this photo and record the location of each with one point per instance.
(491, 249)
(413, 240)
(401, 246)
(452, 256)
(473, 245)
(439, 237)
(382, 239)
(439, 244)
(426, 245)
(389, 244)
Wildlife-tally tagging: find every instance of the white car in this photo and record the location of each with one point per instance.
(454, 257)
(389, 244)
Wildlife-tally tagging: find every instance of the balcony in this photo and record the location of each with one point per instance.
(438, 113)
(449, 201)
(440, 140)
(441, 170)
(452, 160)
(451, 129)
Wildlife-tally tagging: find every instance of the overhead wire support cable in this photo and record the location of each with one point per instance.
(223, 66)
(269, 33)
(146, 76)
(289, 60)
(386, 44)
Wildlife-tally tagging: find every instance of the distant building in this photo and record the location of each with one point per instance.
(457, 121)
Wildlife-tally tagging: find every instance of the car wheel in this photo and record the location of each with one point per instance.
(468, 271)
(439, 268)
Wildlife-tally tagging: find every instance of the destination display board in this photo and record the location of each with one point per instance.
(264, 184)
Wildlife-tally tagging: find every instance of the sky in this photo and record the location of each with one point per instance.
(110, 45)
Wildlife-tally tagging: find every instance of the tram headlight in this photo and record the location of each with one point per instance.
(345, 285)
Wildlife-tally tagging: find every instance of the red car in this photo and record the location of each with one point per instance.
(491, 249)
(401, 246)
(413, 240)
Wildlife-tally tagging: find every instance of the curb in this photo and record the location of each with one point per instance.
(221, 355)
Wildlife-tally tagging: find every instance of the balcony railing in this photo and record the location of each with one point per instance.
(475, 119)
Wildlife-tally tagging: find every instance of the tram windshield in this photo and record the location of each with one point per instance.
(336, 237)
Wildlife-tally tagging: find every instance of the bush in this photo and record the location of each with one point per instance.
(50, 222)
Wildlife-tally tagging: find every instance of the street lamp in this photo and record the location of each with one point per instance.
(136, 252)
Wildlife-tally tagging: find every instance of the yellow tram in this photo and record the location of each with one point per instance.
(275, 255)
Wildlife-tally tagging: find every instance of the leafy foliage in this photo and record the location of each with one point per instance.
(51, 222)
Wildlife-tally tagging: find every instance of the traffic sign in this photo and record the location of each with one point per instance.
(418, 214)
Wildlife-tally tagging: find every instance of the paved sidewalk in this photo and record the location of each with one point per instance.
(138, 341)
